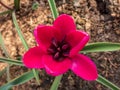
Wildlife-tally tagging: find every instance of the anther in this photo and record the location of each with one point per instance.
(65, 46)
(56, 56)
(50, 50)
(54, 42)
(58, 49)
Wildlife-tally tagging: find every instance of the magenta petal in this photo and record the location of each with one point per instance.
(44, 34)
(77, 40)
(33, 58)
(55, 68)
(84, 67)
(65, 23)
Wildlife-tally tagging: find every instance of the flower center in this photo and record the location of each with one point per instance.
(59, 49)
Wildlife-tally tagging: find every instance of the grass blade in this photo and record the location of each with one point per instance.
(101, 47)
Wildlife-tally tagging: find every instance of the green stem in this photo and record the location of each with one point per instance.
(107, 83)
(17, 4)
(53, 8)
(56, 83)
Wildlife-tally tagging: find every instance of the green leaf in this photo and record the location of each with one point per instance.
(36, 76)
(12, 61)
(19, 80)
(5, 12)
(107, 83)
(17, 4)
(101, 47)
(53, 8)
(22, 39)
(19, 31)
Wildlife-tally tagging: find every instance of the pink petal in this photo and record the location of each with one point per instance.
(84, 67)
(77, 40)
(65, 23)
(56, 67)
(33, 58)
(44, 35)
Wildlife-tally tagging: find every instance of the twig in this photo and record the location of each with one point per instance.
(5, 5)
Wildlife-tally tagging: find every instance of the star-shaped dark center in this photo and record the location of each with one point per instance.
(59, 49)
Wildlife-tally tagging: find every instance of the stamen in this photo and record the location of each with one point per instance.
(54, 42)
(50, 50)
(65, 46)
(56, 56)
(58, 49)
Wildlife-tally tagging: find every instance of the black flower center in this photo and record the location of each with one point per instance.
(59, 49)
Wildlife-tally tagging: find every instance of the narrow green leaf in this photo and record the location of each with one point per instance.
(5, 12)
(53, 8)
(36, 76)
(22, 39)
(107, 83)
(12, 61)
(19, 31)
(17, 4)
(19, 80)
(101, 47)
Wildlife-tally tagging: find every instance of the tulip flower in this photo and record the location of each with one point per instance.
(58, 50)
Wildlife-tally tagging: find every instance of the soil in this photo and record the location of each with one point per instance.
(99, 18)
